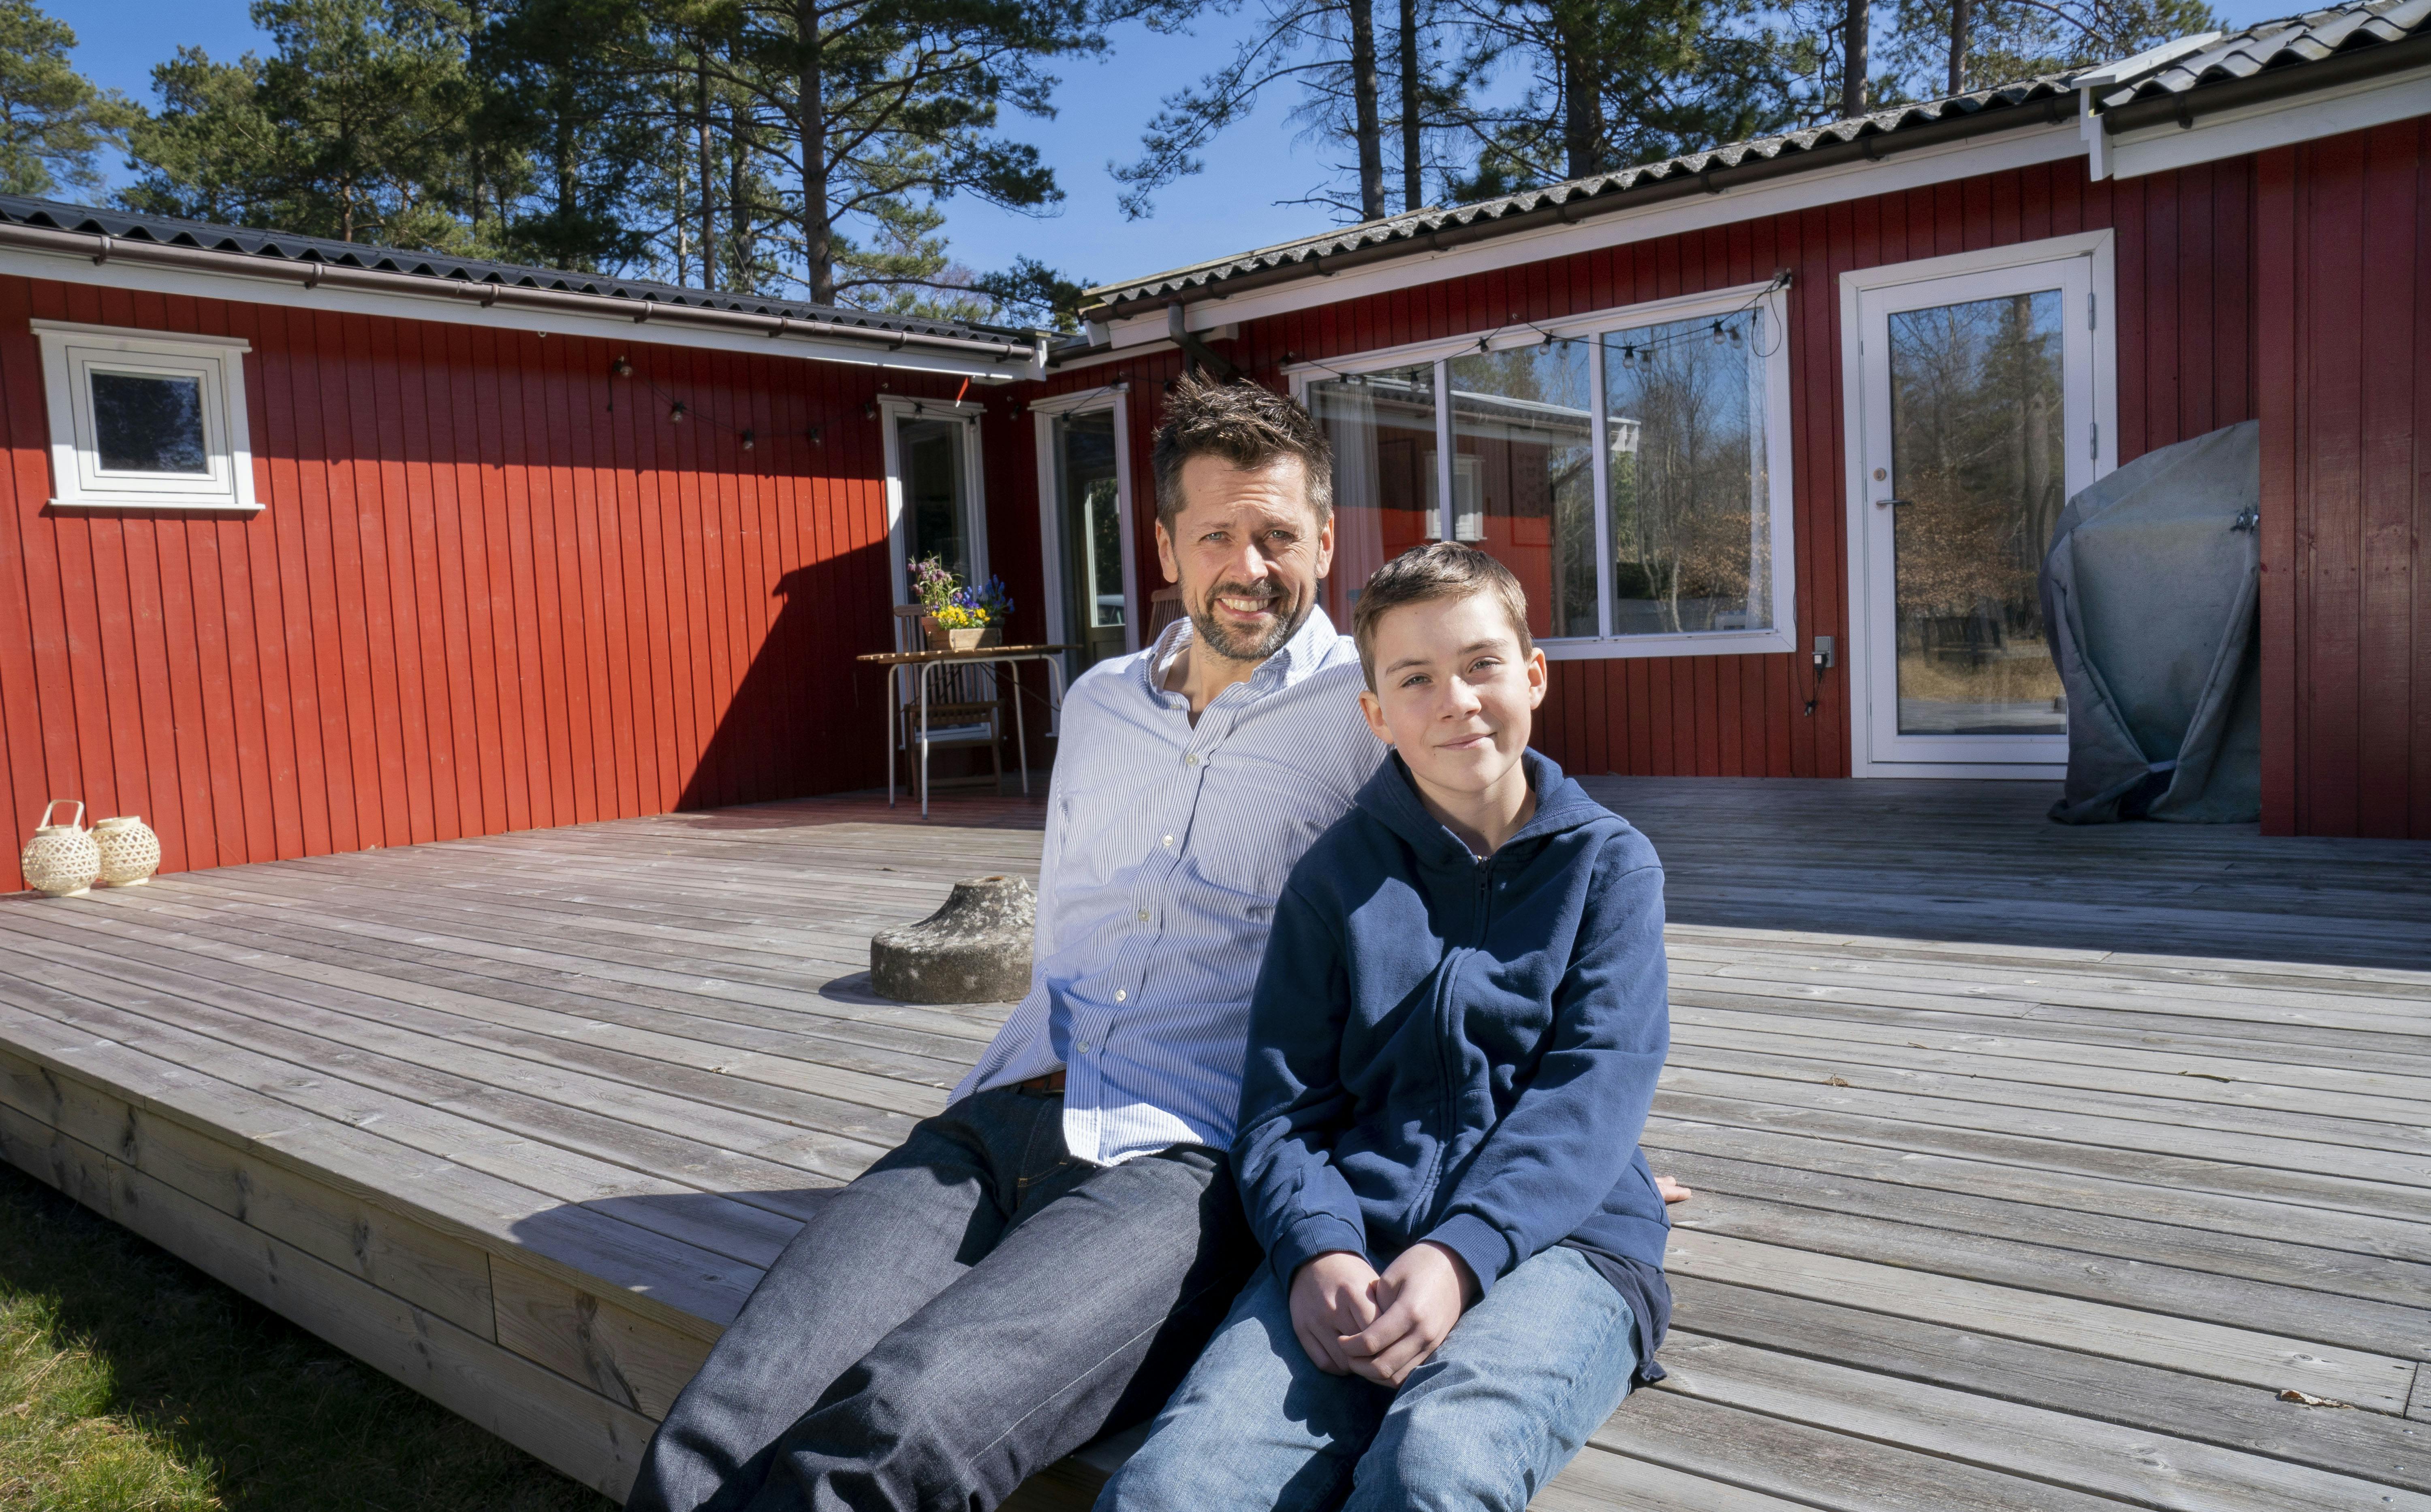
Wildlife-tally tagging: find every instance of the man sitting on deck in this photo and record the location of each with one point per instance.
(1039, 1264)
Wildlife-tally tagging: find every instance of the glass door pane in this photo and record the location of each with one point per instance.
(1521, 421)
(1092, 530)
(936, 500)
(1382, 427)
(1978, 450)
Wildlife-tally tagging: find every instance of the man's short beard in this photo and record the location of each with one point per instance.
(1224, 643)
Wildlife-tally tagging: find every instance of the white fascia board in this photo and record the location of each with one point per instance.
(453, 309)
(2019, 147)
(2356, 107)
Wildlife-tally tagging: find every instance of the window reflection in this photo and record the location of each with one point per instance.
(1977, 463)
(1691, 519)
(1521, 425)
(1383, 428)
(146, 423)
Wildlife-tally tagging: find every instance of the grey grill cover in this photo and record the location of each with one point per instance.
(2150, 591)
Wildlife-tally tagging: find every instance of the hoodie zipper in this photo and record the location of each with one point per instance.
(1447, 1059)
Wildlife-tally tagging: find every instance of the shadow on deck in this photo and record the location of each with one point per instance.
(2036, 1168)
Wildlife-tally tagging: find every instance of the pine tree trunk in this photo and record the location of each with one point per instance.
(1957, 46)
(738, 255)
(818, 236)
(1363, 105)
(1856, 59)
(708, 176)
(566, 189)
(1413, 166)
(1582, 97)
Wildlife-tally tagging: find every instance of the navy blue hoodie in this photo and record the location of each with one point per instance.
(1462, 1051)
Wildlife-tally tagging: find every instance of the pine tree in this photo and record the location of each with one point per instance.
(1947, 46)
(1607, 85)
(1332, 53)
(54, 123)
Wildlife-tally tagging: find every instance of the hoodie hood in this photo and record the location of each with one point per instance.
(1391, 796)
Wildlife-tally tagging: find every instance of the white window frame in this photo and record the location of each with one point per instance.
(71, 353)
(1045, 413)
(1590, 327)
(892, 411)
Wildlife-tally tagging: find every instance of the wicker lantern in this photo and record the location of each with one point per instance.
(61, 859)
(130, 852)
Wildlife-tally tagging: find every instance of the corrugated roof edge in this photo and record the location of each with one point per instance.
(287, 246)
(1411, 226)
(2290, 42)
(2309, 38)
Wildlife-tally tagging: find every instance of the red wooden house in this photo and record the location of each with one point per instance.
(311, 547)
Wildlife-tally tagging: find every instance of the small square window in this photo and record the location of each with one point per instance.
(145, 420)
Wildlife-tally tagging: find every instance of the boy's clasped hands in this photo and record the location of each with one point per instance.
(1353, 1322)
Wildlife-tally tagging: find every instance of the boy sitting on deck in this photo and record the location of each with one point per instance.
(1453, 1043)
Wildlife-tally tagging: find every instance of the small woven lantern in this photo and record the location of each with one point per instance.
(61, 859)
(130, 852)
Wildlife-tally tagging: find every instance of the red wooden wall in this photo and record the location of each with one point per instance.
(2345, 299)
(2186, 366)
(494, 587)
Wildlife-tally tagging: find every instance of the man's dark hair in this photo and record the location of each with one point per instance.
(1247, 426)
(1439, 569)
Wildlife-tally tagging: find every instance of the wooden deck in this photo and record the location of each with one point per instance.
(2036, 1168)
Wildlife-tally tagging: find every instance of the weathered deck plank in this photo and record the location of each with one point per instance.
(2035, 1162)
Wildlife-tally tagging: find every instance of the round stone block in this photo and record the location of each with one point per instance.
(974, 949)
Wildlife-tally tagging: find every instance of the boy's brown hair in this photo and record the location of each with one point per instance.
(1247, 426)
(1439, 569)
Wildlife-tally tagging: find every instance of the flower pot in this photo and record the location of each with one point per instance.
(944, 638)
(130, 852)
(61, 859)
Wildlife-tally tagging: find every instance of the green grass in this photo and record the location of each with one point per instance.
(130, 1382)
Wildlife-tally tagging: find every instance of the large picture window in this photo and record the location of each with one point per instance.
(1627, 467)
(145, 420)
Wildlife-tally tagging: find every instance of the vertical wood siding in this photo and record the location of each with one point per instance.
(493, 588)
(2186, 366)
(2344, 266)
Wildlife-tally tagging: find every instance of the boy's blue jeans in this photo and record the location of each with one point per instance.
(1513, 1393)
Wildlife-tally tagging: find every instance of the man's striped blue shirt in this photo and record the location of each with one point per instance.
(1167, 843)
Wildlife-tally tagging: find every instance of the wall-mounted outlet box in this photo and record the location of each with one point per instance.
(1827, 651)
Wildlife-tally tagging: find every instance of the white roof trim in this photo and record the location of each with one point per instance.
(2355, 106)
(445, 305)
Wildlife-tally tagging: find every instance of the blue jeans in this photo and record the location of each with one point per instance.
(1512, 1394)
(973, 1308)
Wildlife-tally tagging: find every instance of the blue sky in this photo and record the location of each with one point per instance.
(1102, 106)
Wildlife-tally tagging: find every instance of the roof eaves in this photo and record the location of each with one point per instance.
(1563, 200)
(289, 247)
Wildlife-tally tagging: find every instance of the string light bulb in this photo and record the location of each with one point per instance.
(1717, 333)
(676, 412)
(621, 368)
(747, 440)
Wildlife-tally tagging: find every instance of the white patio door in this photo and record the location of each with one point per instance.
(1978, 416)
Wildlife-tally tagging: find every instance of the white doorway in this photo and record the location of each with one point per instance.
(1084, 525)
(1983, 397)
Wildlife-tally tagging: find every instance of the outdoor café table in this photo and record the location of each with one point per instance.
(919, 664)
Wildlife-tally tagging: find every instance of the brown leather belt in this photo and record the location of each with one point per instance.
(1049, 1085)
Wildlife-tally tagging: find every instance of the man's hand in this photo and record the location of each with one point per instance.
(1673, 1191)
(1332, 1296)
(1423, 1294)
